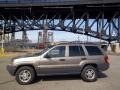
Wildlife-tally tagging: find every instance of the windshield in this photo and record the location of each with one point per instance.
(42, 52)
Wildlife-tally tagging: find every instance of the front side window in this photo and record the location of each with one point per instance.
(93, 50)
(57, 52)
(76, 51)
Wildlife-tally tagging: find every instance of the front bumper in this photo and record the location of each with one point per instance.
(11, 69)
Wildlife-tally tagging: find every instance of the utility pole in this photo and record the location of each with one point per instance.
(2, 46)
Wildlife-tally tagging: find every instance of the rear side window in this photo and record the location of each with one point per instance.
(76, 51)
(93, 50)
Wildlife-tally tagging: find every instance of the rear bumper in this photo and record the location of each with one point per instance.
(103, 67)
(11, 69)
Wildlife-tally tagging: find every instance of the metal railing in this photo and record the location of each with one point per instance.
(33, 1)
(8, 2)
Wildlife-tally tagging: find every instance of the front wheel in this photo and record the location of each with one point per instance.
(25, 75)
(89, 74)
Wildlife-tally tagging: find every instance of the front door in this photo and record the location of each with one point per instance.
(54, 61)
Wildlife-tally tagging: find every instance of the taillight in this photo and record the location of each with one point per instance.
(106, 59)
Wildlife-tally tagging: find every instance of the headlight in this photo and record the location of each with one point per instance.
(12, 60)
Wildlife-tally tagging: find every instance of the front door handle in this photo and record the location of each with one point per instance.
(62, 60)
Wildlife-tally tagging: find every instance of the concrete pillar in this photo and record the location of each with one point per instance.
(117, 48)
(0, 37)
(13, 36)
(109, 48)
(8, 37)
(13, 33)
(24, 36)
(50, 37)
(119, 29)
(45, 35)
(40, 37)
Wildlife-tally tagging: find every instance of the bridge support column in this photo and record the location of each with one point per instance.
(87, 23)
(113, 48)
(50, 37)
(0, 37)
(45, 35)
(109, 48)
(109, 40)
(8, 37)
(24, 36)
(87, 28)
(13, 33)
(40, 38)
(13, 36)
(119, 28)
(117, 48)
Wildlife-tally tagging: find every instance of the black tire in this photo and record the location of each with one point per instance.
(20, 75)
(89, 77)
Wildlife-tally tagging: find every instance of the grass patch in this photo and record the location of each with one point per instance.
(8, 54)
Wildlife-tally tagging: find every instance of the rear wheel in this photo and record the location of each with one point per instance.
(25, 75)
(89, 73)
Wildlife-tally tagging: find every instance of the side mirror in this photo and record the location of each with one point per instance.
(47, 56)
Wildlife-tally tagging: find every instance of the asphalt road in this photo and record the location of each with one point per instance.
(108, 80)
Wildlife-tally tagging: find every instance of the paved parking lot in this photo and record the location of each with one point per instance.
(109, 80)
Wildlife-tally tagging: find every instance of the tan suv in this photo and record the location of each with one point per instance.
(64, 59)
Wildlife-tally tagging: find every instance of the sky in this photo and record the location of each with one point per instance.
(58, 36)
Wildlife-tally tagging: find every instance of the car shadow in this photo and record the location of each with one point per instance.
(57, 77)
(65, 77)
(102, 75)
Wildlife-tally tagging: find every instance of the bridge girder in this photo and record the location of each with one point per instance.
(102, 23)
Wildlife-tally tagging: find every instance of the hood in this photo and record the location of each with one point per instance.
(25, 59)
(22, 56)
(26, 55)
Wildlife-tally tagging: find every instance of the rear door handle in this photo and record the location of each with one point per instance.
(62, 60)
(83, 58)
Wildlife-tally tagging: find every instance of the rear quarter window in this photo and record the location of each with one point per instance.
(93, 50)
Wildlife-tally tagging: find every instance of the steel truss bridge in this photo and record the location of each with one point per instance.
(95, 18)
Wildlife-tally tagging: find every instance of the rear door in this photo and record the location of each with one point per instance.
(75, 55)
